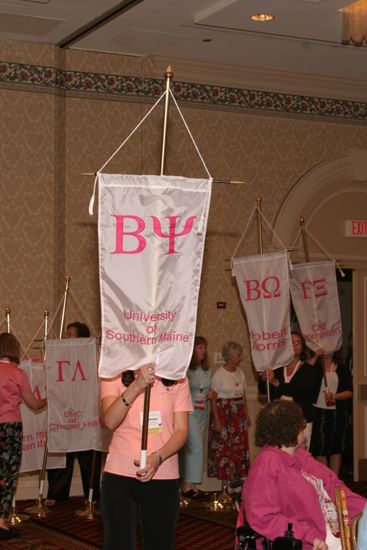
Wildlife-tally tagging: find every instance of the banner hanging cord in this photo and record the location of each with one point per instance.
(276, 235)
(190, 134)
(80, 309)
(244, 233)
(91, 203)
(257, 209)
(319, 245)
(33, 340)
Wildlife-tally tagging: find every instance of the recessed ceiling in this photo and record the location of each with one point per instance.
(303, 37)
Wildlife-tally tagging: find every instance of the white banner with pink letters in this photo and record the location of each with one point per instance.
(151, 242)
(264, 289)
(35, 424)
(316, 302)
(73, 395)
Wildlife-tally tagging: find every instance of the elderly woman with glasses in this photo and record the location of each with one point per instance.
(228, 456)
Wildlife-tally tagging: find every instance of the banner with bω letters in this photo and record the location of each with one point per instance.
(316, 302)
(73, 395)
(264, 289)
(151, 242)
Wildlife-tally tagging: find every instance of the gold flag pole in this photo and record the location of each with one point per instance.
(304, 239)
(42, 510)
(39, 509)
(259, 226)
(307, 259)
(168, 74)
(260, 245)
(7, 317)
(89, 511)
(66, 294)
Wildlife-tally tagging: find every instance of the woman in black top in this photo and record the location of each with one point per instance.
(331, 422)
(299, 381)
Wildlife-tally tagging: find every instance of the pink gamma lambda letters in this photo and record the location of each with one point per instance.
(157, 228)
(77, 369)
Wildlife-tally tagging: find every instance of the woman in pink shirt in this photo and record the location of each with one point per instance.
(149, 496)
(14, 387)
(287, 485)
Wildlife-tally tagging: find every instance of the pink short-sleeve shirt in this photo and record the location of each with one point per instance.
(13, 382)
(126, 441)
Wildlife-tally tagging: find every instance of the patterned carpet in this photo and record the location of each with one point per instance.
(62, 529)
(199, 528)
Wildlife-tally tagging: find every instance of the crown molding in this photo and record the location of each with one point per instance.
(270, 80)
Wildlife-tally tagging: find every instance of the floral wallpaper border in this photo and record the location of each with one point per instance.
(199, 94)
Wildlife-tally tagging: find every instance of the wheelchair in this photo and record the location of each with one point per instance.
(246, 539)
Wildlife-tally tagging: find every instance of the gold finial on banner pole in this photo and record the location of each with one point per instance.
(66, 293)
(168, 74)
(259, 226)
(304, 239)
(45, 316)
(7, 317)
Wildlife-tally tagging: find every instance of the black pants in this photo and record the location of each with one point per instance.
(127, 503)
(59, 479)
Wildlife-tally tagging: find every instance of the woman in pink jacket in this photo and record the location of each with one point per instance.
(287, 485)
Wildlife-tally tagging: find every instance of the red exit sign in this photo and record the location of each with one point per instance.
(356, 228)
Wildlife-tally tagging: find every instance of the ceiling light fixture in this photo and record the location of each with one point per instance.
(354, 23)
(262, 17)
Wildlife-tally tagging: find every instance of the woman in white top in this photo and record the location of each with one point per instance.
(228, 454)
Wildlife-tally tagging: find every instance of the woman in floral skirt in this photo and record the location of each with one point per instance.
(228, 454)
(14, 388)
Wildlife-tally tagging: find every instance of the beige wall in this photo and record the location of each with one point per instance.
(50, 136)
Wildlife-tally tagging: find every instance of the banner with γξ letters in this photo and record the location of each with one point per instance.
(35, 424)
(264, 289)
(73, 395)
(151, 242)
(316, 302)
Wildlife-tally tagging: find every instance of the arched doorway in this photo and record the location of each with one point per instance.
(327, 197)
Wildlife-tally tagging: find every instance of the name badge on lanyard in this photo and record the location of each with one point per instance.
(154, 422)
(199, 401)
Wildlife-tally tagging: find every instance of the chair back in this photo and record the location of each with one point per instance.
(343, 518)
(355, 521)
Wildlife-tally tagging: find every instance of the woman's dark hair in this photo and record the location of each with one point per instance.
(279, 423)
(10, 347)
(199, 341)
(81, 328)
(303, 354)
(128, 376)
